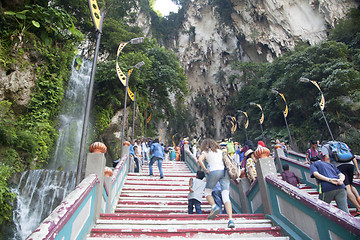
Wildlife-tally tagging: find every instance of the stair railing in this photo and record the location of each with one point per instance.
(96, 194)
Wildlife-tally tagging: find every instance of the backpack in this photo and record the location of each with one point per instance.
(231, 166)
(340, 152)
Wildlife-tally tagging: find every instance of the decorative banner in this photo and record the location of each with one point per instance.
(234, 125)
(131, 94)
(262, 114)
(173, 140)
(247, 120)
(286, 106)
(149, 118)
(322, 102)
(95, 13)
(160, 134)
(120, 74)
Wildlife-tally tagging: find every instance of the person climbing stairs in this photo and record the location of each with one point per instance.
(149, 208)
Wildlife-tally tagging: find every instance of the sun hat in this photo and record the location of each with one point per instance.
(248, 152)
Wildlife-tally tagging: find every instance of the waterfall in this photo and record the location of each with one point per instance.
(71, 119)
(41, 191)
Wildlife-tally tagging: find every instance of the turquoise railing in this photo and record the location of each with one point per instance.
(76, 214)
(305, 217)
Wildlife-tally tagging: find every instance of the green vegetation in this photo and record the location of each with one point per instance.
(41, 38)
(333, 64)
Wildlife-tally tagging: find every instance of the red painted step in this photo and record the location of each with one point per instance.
(150, 208)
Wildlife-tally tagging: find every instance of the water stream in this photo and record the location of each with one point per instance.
(41, 191)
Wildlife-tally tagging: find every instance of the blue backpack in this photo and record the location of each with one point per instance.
(340, 152)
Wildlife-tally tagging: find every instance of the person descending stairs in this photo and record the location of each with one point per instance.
(149, 208)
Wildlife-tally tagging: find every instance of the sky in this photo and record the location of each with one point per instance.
(165, 7)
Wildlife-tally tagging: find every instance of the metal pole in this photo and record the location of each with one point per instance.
(133, 130)
(246, 134)
(145, 122)
(87, 108)
(291, 142)
(262, 131)
(327, 124)
(124, 115)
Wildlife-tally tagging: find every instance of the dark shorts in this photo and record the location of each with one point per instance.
(348, 171)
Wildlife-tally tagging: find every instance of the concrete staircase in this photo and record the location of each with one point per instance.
(150, 207)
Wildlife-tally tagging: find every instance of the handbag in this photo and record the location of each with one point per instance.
(231, 166)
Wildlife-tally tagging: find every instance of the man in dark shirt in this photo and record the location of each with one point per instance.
(330, 182)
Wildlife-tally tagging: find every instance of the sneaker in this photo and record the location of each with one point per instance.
(150, 175)
(357, 214)
(231, 224)
(215, 211)
(161, 177)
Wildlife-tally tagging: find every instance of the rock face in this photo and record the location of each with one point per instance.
(260, 30)
(17, 84)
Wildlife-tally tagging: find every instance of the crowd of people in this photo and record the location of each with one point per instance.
(334, 179)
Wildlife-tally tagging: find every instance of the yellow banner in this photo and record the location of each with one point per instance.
(120, 74)
(247, 120)
(234, 125)
(322, 102)
(286, 106)
(95, 13)
(262, 114)
(149, 118)
(131, 94)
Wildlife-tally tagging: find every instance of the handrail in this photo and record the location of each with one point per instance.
(307, 217)
(73, 216)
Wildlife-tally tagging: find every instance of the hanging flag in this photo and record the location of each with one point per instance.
(120, 74)
(95, 13)
(262, 114)
(160, 134)
(322, 102)
(131, 94)
(286, 106)
(148, 119)
(247, 120)
(173, 141)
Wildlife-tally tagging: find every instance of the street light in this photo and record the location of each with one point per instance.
(321, 103)
(140, 64)
(98, 19)
(133, 125)
(246, 123)
(285, 113)
(124, 78)
(261, 120)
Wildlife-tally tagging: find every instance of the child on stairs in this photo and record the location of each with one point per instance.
(196, 190)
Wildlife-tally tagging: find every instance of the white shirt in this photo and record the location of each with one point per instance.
(214, 160)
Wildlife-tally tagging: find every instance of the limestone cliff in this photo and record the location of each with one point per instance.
(260, 30)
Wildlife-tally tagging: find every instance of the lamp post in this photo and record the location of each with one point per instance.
(126, 93)
(285, 113)
(246, 123)
(261, 120)
(321, 103)
(98, 22)
(133, 125)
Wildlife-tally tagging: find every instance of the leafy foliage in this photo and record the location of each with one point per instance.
(328, 63)
(6, 197)
(156, 83)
